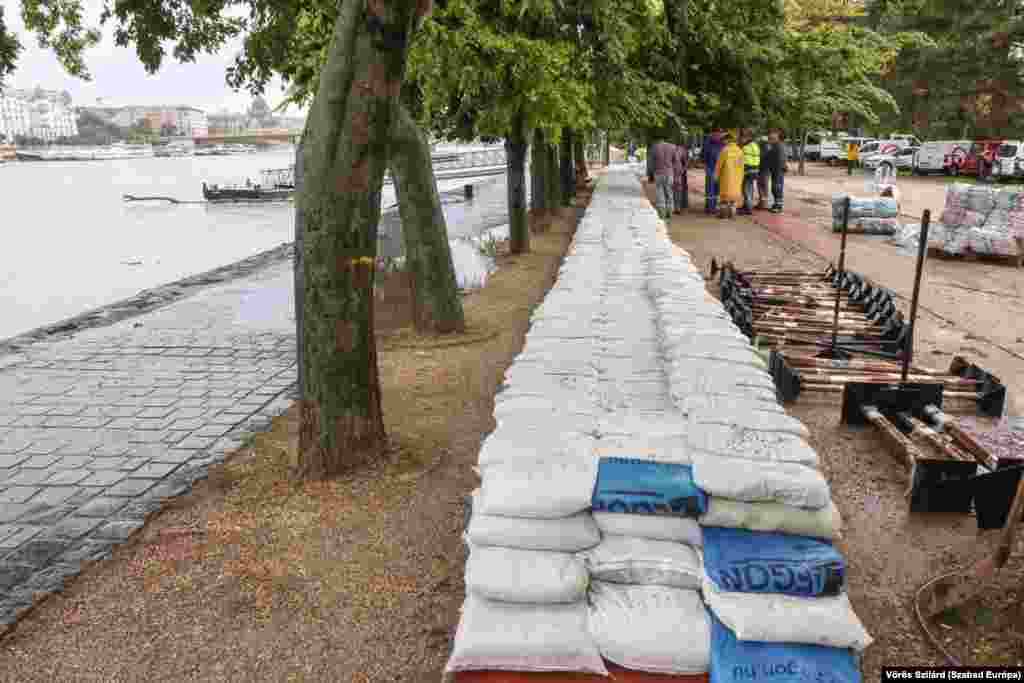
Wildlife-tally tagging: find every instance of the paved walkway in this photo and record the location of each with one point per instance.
(98, 430)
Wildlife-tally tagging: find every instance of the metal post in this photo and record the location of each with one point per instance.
(922, 250)
(839, 290)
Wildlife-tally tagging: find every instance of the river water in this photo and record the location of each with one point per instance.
(72, 244)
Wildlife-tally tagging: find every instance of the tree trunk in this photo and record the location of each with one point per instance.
(344, 159)
(803, 153)
(297, 269)
(582, 174)
(606, 149)
(565, 165)
(515, 162)
(552, 179)
(538, 166)
(436, 305)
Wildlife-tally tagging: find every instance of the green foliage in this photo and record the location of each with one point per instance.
(10, 48)
(967, 78)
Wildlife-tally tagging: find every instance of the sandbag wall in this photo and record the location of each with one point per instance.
(640, 469)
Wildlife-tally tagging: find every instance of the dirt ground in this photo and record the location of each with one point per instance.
(253, 577)
(891, 553)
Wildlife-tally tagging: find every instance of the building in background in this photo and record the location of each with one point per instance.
(15, 117)
(37, 113)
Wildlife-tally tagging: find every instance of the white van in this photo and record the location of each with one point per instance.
(1009, 160)
(933, 156)
(831, 150)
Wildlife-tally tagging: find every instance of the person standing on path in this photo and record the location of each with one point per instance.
(680, 183)
(710, 150)
(775, 163)
(729, 177)
(762, 175)
(852, 153)
(663, 155)
(751, 170)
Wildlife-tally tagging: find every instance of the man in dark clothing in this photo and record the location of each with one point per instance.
(774, 161)
(710, 150)
(762, 176)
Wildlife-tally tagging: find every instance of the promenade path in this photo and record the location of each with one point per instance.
(98, 430)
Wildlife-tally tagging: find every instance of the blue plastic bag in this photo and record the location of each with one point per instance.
(740, 661)
(745, 561)
(647, 488)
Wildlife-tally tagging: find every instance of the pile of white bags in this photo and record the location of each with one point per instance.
(630, 364)
(982, 220)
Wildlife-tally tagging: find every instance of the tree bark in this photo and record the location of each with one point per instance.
(803, 153)
(565, 161)
(552, 179)
(538, 167)
(582, 174)
(297, 270)
(515, 161)
(436, 305)
(344, 160)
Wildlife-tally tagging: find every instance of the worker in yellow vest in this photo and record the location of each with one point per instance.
(751, 170)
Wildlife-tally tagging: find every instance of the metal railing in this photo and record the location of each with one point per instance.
(494, 156)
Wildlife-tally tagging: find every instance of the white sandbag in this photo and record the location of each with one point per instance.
(510, 637)
(657, 448)
(655, 527)
(525, 576)
(756, 420)
(700, 403)
(568, 534)
(651, 628)
(644, 561)
(738, 442)
(506, 445)
(775, 618)
(542, 489)
(631, 424)
(700, 353)
(749, 481)
(822, 523)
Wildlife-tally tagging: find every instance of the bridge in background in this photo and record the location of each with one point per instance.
(255, 137)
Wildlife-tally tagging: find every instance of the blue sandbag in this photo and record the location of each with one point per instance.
(740, 661)
(643, 487)
(745, 561)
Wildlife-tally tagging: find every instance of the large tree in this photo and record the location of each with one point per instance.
(346, 146)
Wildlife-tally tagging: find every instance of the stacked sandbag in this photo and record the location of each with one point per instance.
(882, 212)
(874, 226)
(525, 607)
(982, 220)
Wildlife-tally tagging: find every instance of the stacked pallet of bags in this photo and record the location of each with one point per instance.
(982, 220)
(869, 215)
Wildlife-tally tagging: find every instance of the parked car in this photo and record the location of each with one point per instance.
(812, 148)
(830, 150)
(844, 143)
(966, 161)
(1009, 160)
(905, 139)
(902, 158)
(936, 156)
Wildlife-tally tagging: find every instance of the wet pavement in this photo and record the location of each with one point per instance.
(96, 432)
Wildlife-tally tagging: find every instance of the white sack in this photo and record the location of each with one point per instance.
(504, 636)
(525, 576)
(761, 482)
(775, 618)
(642, 561)
(711, 403)
(738, 442)
(671, 449)
(506, 445)
(651, 628)
(824, 523)
(569, 534)
(655, 527)
(756, 420)
(541, 489)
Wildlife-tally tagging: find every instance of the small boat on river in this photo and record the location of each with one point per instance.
(275, 185)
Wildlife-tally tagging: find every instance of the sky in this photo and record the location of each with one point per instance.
(118, 78)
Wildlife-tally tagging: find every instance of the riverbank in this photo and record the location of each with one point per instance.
(254, 577)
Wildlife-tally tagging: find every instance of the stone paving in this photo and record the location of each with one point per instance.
(97, 431)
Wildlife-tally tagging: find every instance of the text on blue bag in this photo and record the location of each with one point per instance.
(758, 562)
(647, 488)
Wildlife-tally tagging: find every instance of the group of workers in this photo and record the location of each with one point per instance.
(732, 170)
